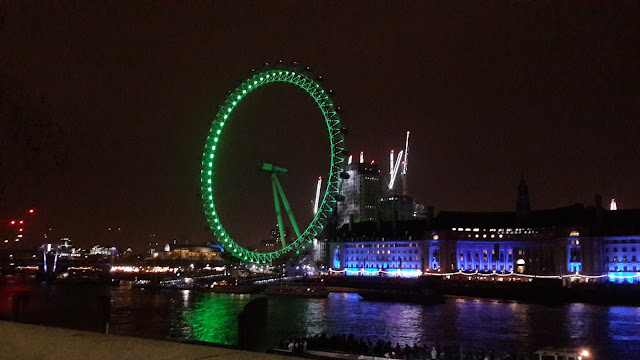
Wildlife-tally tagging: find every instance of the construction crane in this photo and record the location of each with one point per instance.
(394, 173)
(315, 203)
(394, 165)
(405, 163)
(391, 162)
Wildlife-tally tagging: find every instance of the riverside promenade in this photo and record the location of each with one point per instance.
(23, 341)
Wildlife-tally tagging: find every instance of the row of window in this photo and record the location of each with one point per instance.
(383, 265)
(607, 242)
(380, 245)
(410, 251)
(624, 259)
(383, 258)
(469, 267)
(622, 268)
(624, 249)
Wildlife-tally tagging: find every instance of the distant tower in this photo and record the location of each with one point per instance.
(523, 206)
(362, 191)
(613, 205)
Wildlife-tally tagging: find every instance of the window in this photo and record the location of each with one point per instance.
(606, 250)
(624, 249)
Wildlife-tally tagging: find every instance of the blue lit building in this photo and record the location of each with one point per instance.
(381, 248)
(567, 240)
(621, 245)
(544, 242)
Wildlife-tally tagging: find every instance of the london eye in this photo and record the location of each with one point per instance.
(302, 237)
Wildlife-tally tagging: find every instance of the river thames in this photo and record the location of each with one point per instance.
(611, 332)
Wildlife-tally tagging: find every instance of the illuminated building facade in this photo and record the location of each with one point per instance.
(189, 252)
(543, 242)
(621, 245)
(590, 241)
(380, 248)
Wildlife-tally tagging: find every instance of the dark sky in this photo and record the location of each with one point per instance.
(106, 105)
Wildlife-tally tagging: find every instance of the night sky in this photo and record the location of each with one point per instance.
(106, 106)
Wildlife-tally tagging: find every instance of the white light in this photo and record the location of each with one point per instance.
(613, 205)
(391, 163)
(350, 160)
(361, 157)
(315, 204)
(406, 156)
(585, 353)
(395, 170)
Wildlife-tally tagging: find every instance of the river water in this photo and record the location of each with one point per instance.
(612, 332)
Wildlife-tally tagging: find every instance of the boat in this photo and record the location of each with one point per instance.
(563, 354)
(418, 296)
(297, 290)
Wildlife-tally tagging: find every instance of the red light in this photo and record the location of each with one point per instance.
(31, 211)
(20, 229)
(13, 222)
(21, 221)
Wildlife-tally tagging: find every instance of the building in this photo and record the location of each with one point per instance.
(361, 191)
(189, 252)
(591, 241)
(543, 242)
(371, 248)
(621, 245)
(274, 243)
(397, 208)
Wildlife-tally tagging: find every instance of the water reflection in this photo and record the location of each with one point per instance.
(214, 317)
(610, 331)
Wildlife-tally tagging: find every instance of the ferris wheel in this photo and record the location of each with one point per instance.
(302, 79)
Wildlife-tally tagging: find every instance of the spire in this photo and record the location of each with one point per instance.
(613, 205)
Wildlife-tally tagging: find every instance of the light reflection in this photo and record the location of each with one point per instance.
(214, 318)
(185, 298)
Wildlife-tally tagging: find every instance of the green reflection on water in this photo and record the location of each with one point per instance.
(214, 318)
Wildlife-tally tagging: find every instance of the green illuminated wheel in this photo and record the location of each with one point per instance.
(336, 139)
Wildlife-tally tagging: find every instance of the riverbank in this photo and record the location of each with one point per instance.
(31, 342)
(536, 291)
